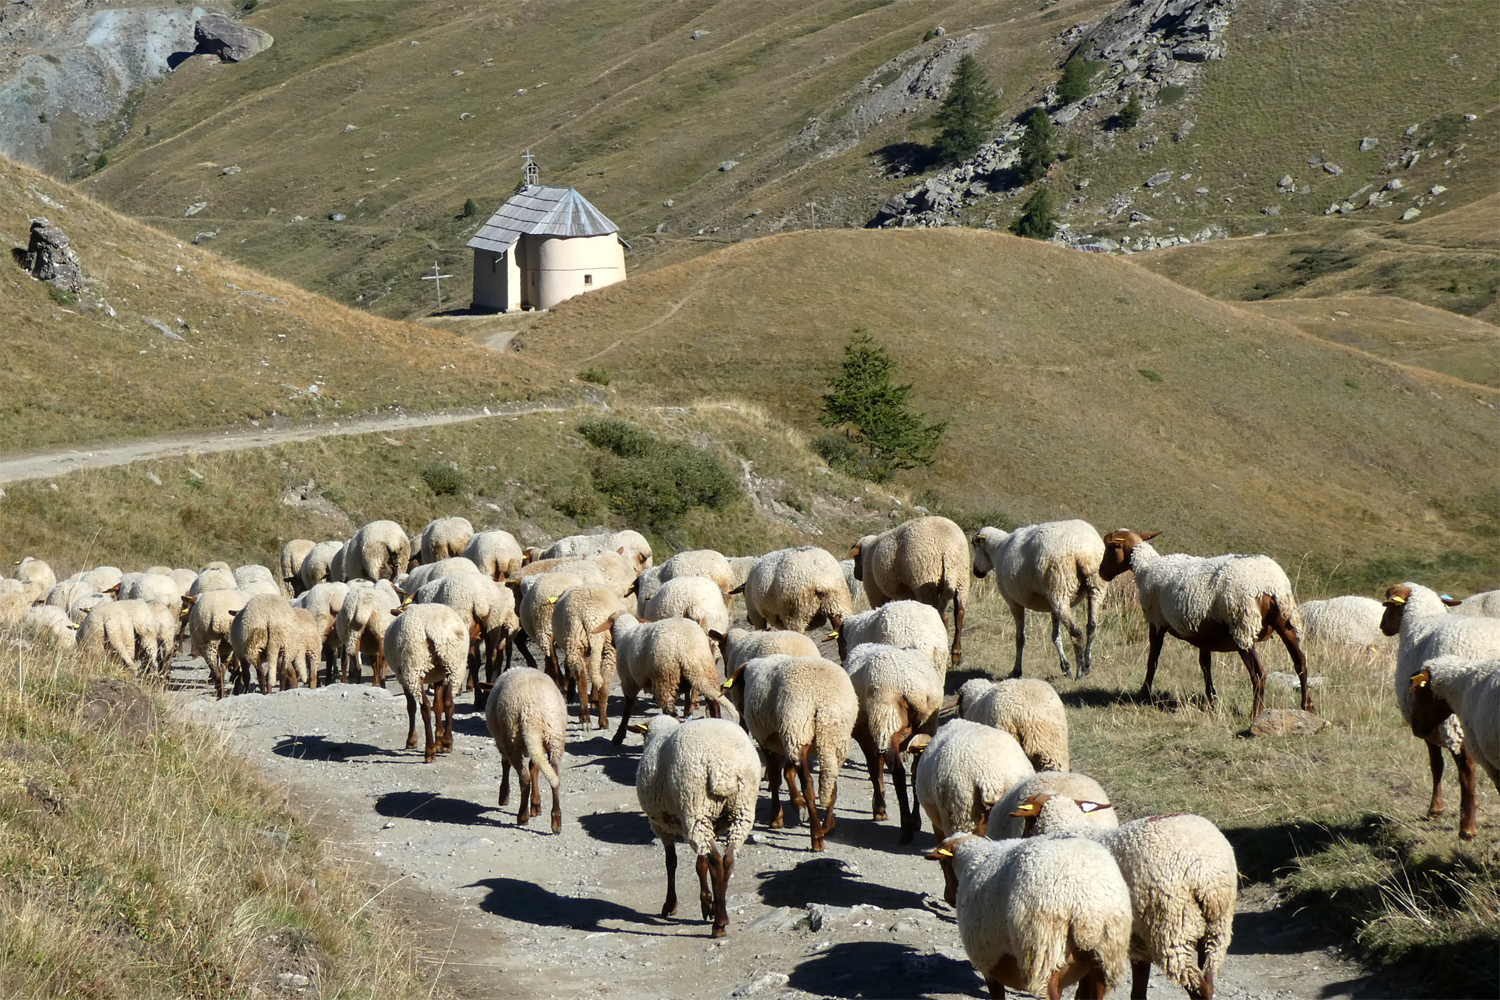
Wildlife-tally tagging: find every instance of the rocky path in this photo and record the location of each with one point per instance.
(509, 911)
(59, 463)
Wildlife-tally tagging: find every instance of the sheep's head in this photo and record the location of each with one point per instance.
(857, 554)
(734, 690)
(1395, 606)
(1118, 546)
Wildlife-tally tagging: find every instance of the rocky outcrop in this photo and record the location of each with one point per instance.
(221, 36)
(50, 257)
(1191, 30)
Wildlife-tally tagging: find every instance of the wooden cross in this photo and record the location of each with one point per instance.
(438, 280)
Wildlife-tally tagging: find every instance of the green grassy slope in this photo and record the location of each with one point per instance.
(90, 368)
(1075, 385)
(633, 111)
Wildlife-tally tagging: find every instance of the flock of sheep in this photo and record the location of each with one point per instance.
(1050, 890)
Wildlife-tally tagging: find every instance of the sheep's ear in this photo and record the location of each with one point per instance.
(1146, 536)
(939, 853)
(950, 703)
(621, 550)
(853, 553)
(832, 635)
(191, 599)
(1089, 807)
(609, 623)
(918, 743)
(1025, 810)
(75, 626)
(1452, 602)
(1420, 679)
(637, 727)
(716, 636)
(736, 676)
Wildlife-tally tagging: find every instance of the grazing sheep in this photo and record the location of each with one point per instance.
(1427, 630)
(528, 720)
(1028, 709)
(378, 551)
(1046, 567)
(104, 579)
(618, 569)
(795, 589)
(126, 628)
(925, 559)
(899, 697)
(537, 595)
(664, 656)
(700, 562)
(36, 576)
(324, 601)
(306, 651)
(586, 568)
(62, 595)
(318, 563)
(210, 620)
(265, 636)
(361, 626)
(427, 646)
(581, 651)
(1225, 604)
(1469, 689)
(444, 538)
(1078, 787)
(293, 555)
(13, 607)
(257, 574)
(1485, 605)
(908, 624)
(153, 588)
(1183, 882)
(158, 635)
(209, 578)
(80, 608)
(51, 621)
(576, 546)
(693, 597)
(424, 574)
(488, 610)
(699, 780)
(797, 707)
(961, 773)
(739, 569)
(740, 646)
(1350, 621)
(184, 578)
(646, 586)
(1040, 914)
(496, 553)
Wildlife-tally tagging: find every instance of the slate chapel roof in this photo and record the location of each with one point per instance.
(539, 210)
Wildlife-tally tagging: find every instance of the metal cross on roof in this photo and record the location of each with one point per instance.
(438, 280)
(530, 173)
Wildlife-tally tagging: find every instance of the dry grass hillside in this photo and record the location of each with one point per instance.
(242, 346)
(1076, 385)
(628, 106)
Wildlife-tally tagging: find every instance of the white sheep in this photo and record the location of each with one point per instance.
(317, 564)
(962, 772)
(700, 562)
(35, 576)
(1469, 689)
(795, 589)
(696, 598)
(306, 651)
(1485, 605)
(103, 579)
(1221, 604)
(256, 574)
(154, 588)
(51, 621)
(496, 553)
(361, 626)
(1349, 621)
(63, 594)
(1047, 567)
(633, 542)
(528, 720)
(739, 569)
(424, 574)
(209, 578)
(582, 652)
(1028, 709)
(127, 628)
(1183, 882)
(537, 595)
(80, 608)
(265, 636)
(13, 607)
(908, 624)
(324, 601)
(443, 538)
(293, 554)
(1076, 786)
(664, 656)
(925, 559)
(427, 646)
(378, 551)
(618, 569)
(646, 586)
(184, 578)
(798, 708)
(899, 697)
(1040, 913)
(209, 623)
(699, 780)
(488, 610)
(1427, 630)
(739, 646)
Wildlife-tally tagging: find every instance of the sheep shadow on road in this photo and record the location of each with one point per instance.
(617, 827)
(883, 970)
(436, 808)
(529, 903)
(831, 881)
(321, 748)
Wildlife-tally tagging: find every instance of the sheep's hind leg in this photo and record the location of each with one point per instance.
(1062, 655)
(536, 791)
(1206, 664)
(1140, 979)
(411, 721)
(1468, 801)
(1018, 615)
(670, 906)
(1435, 761)
(705, 894)
(429, 749)
(528, 781)
(1157, 636)
(1257, 680)
(773, 783)
(814, 821)
(505, 781)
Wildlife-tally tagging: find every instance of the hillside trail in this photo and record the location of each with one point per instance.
(45, 465)
(500, 910)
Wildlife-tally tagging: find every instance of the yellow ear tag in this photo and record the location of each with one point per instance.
(727, 684)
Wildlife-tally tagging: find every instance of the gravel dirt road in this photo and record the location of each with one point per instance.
(509, 911)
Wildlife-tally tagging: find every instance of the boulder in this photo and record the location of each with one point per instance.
(222, 36)
(1285, 722)
(1158, 178)
(1366, 144)
(50, 257)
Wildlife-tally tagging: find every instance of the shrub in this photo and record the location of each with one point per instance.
(653, 483)
(596, 375)
(1151, 375)
(624, 439)
(61, 296)
(1130, 115)
(100, 162)
(579, 503)
(1038, 216)
(967, 113)
(471, 208)
(443, 480)
(1076, 77)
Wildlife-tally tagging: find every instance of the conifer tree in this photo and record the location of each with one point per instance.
(875, 412)
(967, 113)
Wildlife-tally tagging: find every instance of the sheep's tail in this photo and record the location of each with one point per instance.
(1101, 937)
(708, 688)
(831, 751)
(531, 735)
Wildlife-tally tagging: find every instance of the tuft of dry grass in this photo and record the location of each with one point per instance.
(142, 858)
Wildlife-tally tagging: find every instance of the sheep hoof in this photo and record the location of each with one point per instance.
(907, 836)
(879, 815)
(717, 932)
(1465, 835)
